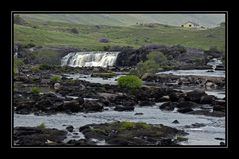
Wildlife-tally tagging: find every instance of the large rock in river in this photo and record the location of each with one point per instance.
(34, 136)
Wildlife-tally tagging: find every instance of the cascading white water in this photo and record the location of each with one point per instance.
(214, 63)
(89, 59)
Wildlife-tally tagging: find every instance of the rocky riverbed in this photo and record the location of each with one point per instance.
(101, 101)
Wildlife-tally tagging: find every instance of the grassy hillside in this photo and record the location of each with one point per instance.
(207, 20)
(58, 34)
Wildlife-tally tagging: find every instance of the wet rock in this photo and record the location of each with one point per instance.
(219, 108)
(92, 106)
(139, 114)
(219, 102)
(195, 125)
(218, 138)
(195, 96)
(146, 103)
(33, 136)
(174, 97)
(168, 106)
(185, 110)
(207, 99)
(77, 142)
(127, 101)
(124, 108)
(130, 133)
(73, 105)
(70, 128)
(175, 122)
(187, 104)
(48, 102)
(164, 99)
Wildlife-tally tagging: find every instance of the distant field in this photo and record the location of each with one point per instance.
(58, 34)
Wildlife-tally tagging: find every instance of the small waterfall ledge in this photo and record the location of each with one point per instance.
(89, 59)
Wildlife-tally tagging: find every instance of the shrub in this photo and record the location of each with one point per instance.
(74, 31)
(155, 63)
(45, 67)
(130, 82)
(104, 40)
(35, 90)
(55, 78)
(35, 69)
(47, 56)
(41, 126)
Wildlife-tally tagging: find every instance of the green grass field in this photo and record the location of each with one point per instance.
(58, 34)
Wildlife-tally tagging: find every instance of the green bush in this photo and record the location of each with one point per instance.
(45, 67)
(41, 126)
(130, 82)
(35, 69)
(18, 63)
(55, 78)
(74, 31)
(125, 125)
(35, 90)
(155, 63)
(104, 74)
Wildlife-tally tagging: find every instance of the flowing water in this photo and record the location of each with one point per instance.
(216, 73)
(89, 59)
(214, 127)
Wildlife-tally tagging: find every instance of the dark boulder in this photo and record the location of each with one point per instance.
(131, 133)
(33, 136)
(168, 106)
(207, 99)
(124, 100)
(92, 106)
(175, 122)
(49, 102)
(124, 108)
(70, 128)
(185, 110)
(73, 105)
(195, 96)
(139, 114)
(77, 142)
(186, 104)
(176, 96)
(219, 108)
(146, 103)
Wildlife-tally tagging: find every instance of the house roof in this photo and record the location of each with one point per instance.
(196, 24)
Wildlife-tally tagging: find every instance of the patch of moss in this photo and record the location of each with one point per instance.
(104, 74)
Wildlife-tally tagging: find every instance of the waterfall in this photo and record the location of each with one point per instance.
(89, 59)
(214, 63)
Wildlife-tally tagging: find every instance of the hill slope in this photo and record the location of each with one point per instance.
(56, 34)
(207, 20)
